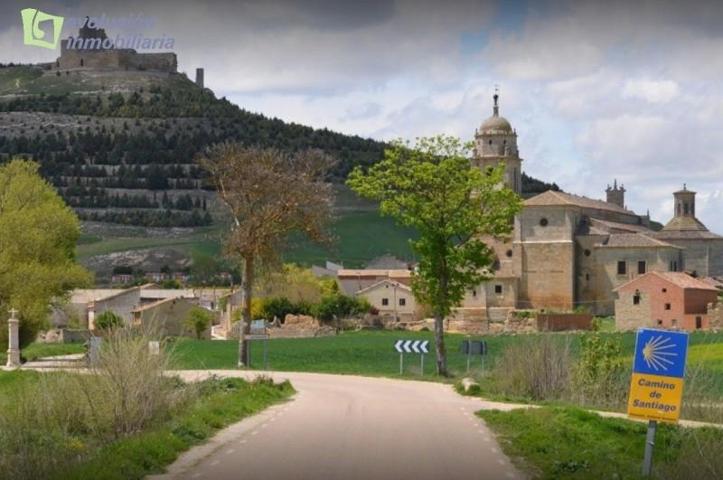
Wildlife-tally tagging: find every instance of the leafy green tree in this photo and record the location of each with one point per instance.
(38, 234)
(108, 320)
(339, 306)
(433, 187)
(198, 320)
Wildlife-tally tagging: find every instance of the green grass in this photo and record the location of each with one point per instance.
(568, 443)
(149, 452)
(371, 352)
(39, 350)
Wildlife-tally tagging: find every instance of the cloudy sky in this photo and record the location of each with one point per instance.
(596, 90)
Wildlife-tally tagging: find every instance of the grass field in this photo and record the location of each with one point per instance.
(360, 234)
(38, 350)
(372, 353)
(568, 443)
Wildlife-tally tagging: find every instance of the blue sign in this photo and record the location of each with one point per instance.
(660, 352)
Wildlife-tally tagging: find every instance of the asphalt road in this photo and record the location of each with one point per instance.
(348, 427)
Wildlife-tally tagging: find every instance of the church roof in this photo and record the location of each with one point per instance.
(496, 124)
(683, 223)
(611, 227)
(553, 198)
(633, 240)
(686, 235)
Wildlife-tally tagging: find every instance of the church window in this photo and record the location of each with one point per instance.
(622, 267)
(665, 290)
(474, 292)
(543, 222)
(498, 289)
(685, 209)
(641, 267)
(587, 277)
(509, 253)
(489, 143)
(667, 306)
(587, 252)
(698, 323)
(636, 298)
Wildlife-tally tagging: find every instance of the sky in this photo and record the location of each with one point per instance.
(597, 91)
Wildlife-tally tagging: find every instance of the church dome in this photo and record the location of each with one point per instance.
(496, 124)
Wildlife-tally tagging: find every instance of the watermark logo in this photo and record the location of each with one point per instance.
(36, 36)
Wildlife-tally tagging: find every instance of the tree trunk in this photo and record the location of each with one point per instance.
(441, 351)
(247, 279)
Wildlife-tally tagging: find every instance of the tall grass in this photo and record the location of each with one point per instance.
(61, 417)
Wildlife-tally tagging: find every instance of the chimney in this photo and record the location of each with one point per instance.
(199, 77)
(616, 195)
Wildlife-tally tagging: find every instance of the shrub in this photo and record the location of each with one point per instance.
(600, 377)
(198, 320)
(340, 306)
(108, 320)
(277, 307)
(537, 368)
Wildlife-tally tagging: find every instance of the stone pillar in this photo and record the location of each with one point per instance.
(13, 341)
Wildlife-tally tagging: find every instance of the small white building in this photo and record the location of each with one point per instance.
(391, 298)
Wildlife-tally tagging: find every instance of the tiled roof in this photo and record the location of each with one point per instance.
(392, 273)
(609, 226)
(633, 240)
(686, 235)
(685, 224)
(401, 286)
(552, 198)
(680, 279)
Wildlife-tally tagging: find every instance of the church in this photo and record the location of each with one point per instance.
(568, 251)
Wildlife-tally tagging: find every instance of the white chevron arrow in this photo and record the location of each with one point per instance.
(412, 346)
(423, 346)
(407, 344)
(398, 346)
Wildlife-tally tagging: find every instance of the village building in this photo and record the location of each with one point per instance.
(391, 298)
(568, 251)
(351, 281)
(664, 300)
(167, 317)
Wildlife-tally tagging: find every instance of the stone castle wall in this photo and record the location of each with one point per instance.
(118, 59)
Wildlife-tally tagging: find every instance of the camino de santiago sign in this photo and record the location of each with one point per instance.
(656, 388)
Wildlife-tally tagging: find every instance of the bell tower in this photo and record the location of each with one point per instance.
(496, 143)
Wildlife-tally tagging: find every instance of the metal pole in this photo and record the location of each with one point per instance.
(469, 353)
(266, 347)
(649, 444)
(422, 356)
(401, 363)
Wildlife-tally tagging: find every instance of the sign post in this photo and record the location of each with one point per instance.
(411, 346)
(474, 347)
(656, 385)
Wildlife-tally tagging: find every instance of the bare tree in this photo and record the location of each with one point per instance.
(269, 195)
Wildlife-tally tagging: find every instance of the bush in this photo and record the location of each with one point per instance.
(537, 368)
(108, 320)
(198, 320)
(340, 306)
(600, 377)
(277, 307)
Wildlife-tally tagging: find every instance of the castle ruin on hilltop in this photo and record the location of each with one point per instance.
(88, 50)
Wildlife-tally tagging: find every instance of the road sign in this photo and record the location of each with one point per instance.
(656, 385)
(412, 346)
(472, 347)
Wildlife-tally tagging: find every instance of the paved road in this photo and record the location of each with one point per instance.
(348, 427)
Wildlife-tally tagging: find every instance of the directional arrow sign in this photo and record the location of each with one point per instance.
(412, 346)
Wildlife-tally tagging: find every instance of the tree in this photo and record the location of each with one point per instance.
(198, 320)
(38, 234)
(108, 320)
(268, 194)
(433, 187)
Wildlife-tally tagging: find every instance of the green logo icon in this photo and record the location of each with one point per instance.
(33, 34)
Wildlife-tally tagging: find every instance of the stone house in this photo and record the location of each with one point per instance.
(664, 300)
(350, 281)
(391, 298)
(169, 316)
